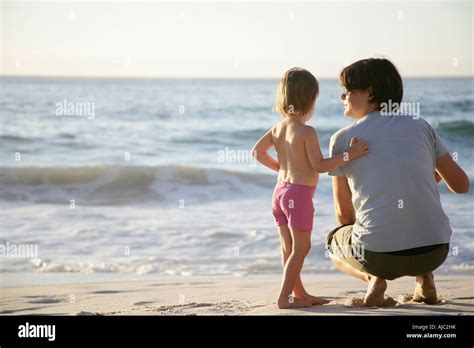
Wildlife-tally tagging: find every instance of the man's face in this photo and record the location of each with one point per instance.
(356, 103)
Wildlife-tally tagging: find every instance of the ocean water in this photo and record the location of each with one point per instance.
(143, 177)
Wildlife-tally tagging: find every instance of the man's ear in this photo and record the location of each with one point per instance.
(370, 90)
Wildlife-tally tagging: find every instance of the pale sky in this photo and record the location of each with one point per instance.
(233, 39)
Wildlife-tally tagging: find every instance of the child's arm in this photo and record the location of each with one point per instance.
(260, 152)
(357, 148)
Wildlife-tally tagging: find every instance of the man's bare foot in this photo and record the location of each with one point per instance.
(375, 292)
(292, 302)
(425, 289)
(315, 301)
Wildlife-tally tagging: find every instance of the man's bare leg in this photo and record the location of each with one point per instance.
(425, 289)
(348, 269)
(376, 289)
(375, 292)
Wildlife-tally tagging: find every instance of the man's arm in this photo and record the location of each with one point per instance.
(452, 174)
(343, 208)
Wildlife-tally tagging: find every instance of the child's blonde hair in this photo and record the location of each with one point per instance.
(297, 92)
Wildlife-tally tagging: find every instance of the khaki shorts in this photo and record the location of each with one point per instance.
(386, 265)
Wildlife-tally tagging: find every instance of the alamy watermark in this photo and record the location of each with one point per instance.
(28, 330)
(348, 251)
(78, 109)
(11, 250)
(400, 109)
(235, 156)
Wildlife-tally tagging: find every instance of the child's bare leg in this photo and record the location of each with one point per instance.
(286, 248)
(294, 264)
(298, 290)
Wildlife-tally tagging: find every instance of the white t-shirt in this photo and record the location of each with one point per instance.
(394, 191)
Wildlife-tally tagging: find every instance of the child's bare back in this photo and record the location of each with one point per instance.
(288, 137)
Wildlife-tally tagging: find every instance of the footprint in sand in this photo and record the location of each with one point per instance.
(46, 299)
(106, 292)
(141, 303)
(166, 284)
(16, 311)
(406, 298)
(358, 302)
(229, 307)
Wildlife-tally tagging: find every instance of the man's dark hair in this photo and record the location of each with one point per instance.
(378, 73)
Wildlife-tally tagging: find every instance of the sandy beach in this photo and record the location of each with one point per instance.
(228, 296)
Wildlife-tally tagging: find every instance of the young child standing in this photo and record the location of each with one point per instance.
(298, 165)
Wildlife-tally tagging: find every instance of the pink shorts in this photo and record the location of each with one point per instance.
(292, 205)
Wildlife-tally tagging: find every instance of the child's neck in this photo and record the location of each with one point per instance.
(301, 119)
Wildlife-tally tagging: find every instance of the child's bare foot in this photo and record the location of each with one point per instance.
(375, 292)
(315, 301)
(292, 302)
(425, 289)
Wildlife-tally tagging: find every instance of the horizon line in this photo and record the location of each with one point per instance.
(118, 77)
